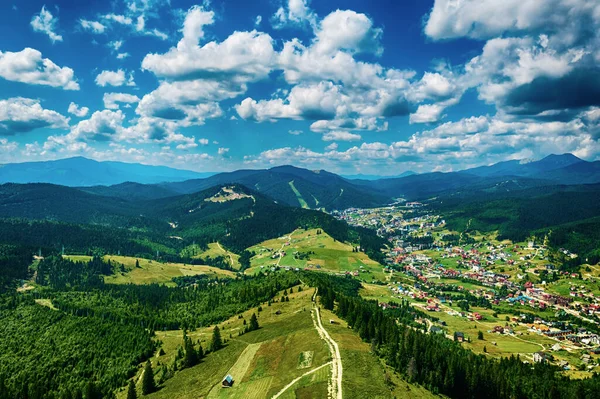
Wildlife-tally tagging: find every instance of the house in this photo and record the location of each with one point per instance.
(556, 347)
(227, 381)
(459, 336)
(539, 357)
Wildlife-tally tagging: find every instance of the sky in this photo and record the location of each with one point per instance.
(375, 87)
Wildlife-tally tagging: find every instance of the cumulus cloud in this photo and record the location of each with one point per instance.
(114, 78)
(341, 136)
(78, 111)
(22, 115)
(190, 102)
(484, 19)
(111, 100)
(45, 22)
(101, 126)
(243, 56)
(294, 12)
(223, 151)
(28, 66)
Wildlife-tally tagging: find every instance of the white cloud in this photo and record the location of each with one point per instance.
(78, 111)
(189, 102)
(111, 99)
(341, 136)
(45, 22)
(22, 115)
(122, 56)
(427, 113)
(102, 126)
(223, 151)
(243, 56)
(28, 66)
(258, 20)
(295, 132)
(93, 26)
(484, 19)
(295, 12)
(114, 78)
(203, 141)
(332, 147)
(115, 45)
(121, 19)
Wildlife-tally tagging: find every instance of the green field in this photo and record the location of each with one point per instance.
(152, 271)
(261, 362)
(329, 255)
(364, 374)
(214, 250)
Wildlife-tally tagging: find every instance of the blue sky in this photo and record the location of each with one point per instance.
(373, 87)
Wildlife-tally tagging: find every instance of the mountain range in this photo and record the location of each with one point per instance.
(312, 189)
(80, 171)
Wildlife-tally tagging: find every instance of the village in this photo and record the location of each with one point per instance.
(495, 297)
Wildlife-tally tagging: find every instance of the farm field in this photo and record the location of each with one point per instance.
(261, 362)
(326, 254)
(152, 271)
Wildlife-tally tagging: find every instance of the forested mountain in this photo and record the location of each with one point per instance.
(79, 171)
(44, 215)
(301, 187)
(293, 186)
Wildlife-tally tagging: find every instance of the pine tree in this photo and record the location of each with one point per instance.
(148, 385)
(137, 264)
(253, 323)
(216, 343)
(131, 393)
(190, 358)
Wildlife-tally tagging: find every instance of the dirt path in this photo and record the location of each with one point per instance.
(289, 238)
(226, 252)
(285, 388)
(335, 385)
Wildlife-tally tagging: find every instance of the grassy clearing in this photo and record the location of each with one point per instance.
(329, 255)
(214, 250)
(261, 362)
(152, 271)
(301, 200)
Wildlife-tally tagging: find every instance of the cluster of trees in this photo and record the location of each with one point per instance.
(14, 264)
(443, 366)
(45, 353)
(62, 273)
(159, 307)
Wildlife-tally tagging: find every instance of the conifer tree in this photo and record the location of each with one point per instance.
(148, 385)
(253, 323)
(131, 393)
(216, 343)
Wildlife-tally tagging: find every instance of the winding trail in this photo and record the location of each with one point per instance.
(285, 388)
(335, 385)
(227, 253)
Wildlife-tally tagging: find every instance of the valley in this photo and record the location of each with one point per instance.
(341, 302)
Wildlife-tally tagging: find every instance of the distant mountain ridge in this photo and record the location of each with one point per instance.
(313, 189)
(80, 171)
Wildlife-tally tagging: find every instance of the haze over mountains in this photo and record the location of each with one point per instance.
(80, 171)
(301, 187)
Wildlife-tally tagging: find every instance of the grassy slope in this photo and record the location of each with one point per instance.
(214, 250)
(261, 362)
(153, 272)
(363, 372)
(301, 200)
(330, 254)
